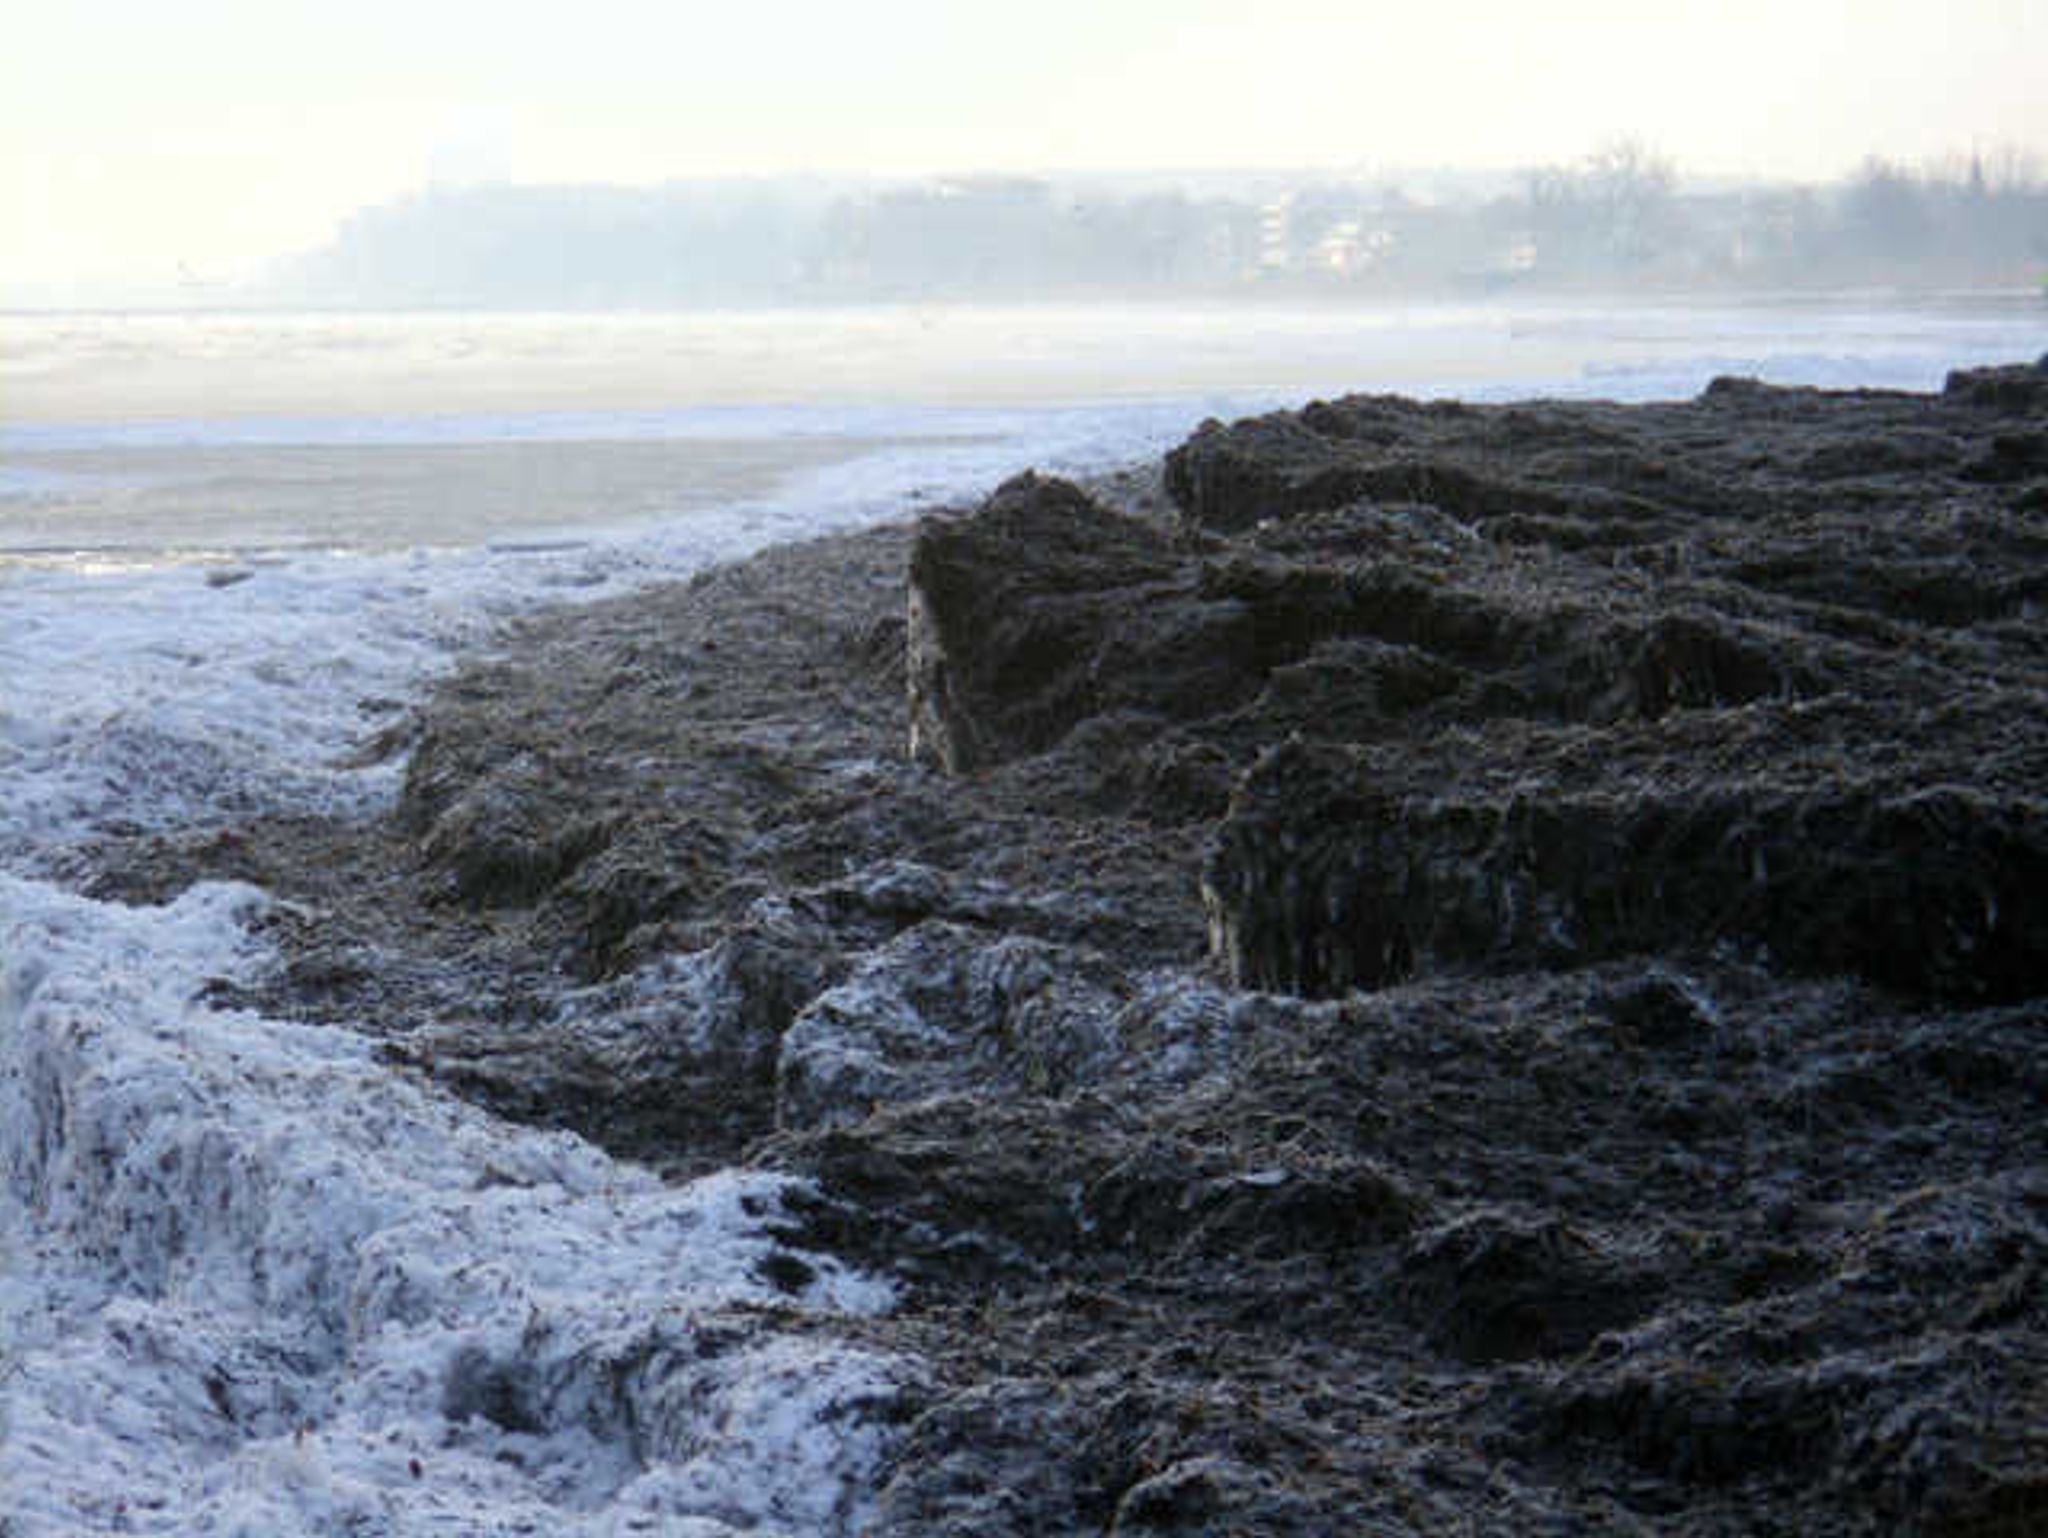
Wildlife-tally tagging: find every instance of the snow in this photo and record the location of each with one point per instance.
(254, 1276)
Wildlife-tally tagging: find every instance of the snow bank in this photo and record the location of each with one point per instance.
(258, 1282)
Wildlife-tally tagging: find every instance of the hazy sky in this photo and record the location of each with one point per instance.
(136, 137)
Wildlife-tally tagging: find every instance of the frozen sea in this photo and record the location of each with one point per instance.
(252, 1280)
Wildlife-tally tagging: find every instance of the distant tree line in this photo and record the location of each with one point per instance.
(1620, 218)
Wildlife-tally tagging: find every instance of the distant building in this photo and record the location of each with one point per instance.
(1348, 248)
(1276, 235)
(1341, 251)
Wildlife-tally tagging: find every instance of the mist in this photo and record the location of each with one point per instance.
(171, 156)
(1620, 219)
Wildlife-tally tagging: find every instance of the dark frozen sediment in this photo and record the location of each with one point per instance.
(1482, 970)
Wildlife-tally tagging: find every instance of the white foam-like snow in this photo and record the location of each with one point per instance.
(152, 699)
(258, 1282)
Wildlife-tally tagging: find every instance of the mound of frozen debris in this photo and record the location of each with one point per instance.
(1482, 971)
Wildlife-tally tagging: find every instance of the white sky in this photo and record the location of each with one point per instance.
(138, 136)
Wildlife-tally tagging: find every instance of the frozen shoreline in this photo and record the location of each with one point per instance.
(181, 705)
(257, 1273)
(1633, 1174)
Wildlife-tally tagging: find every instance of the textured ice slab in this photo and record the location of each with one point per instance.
(257, 1282)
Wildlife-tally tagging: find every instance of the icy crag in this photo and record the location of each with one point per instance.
(1437, 969)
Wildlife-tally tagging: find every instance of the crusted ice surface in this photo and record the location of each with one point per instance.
(258, 1282)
